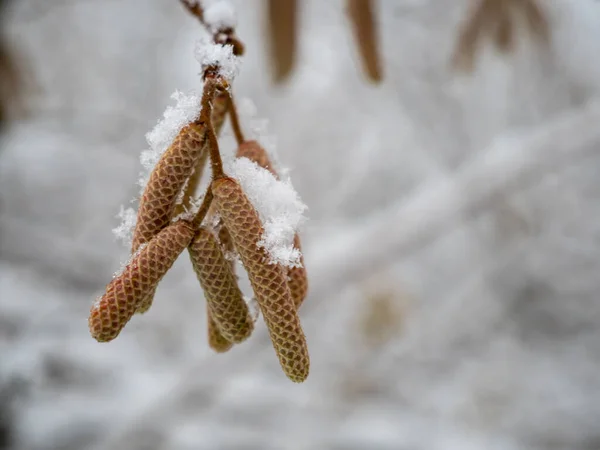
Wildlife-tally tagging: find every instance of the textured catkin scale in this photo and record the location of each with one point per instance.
(225, 300)
(140, 277)
(146, 303)
(364, 26)
(166, 180)
(268, 281)
(297, 278)
(216, 340)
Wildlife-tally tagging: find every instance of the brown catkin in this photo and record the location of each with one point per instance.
(227, 247)
(168, 177)
(225, 300)
(268, 281)
(140, 277)
(216, 340)
(158, 201)
(297, 278)
(364, 26)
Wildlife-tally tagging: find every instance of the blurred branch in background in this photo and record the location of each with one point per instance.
(498, 20)
(283, 36)
(440, 205)
(11, 76)
(283, 29)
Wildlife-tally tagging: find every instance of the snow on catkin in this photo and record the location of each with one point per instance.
(279, 207)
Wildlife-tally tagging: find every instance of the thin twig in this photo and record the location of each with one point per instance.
(194, 9)
(216, 163)
(235, 121)
(204, 207)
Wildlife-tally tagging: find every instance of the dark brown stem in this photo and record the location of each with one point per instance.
(204, 207)
(235, 121)
(208, 93)
(216, 163)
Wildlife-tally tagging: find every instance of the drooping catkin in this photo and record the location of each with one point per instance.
(216, 340)
(166, 180)
(268, 281)
(364, 26)
(225, 300)
(297, 277)
(140, 277)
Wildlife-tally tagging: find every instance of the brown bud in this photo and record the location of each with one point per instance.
(268, 281)
(140, 277)
(225, 300)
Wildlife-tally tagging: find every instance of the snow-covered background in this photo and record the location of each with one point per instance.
(453, 246)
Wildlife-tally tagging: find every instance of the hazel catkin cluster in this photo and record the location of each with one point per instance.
(162, 233)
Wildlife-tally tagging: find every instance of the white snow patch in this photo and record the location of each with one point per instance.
(210, 54)
(279, 207)
(253, 308)
(124, 265)
(219, 15)
(186, 110)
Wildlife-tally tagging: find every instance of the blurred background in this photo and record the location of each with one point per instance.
(453, 246)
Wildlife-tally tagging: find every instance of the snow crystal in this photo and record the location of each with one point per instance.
(186, 110)
(124, 265)
(219, 15)
(210, 54)
(253, 308)
(124, 232)
(279, 207)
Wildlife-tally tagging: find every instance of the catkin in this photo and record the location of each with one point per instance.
(158, 201)
(168, 177)
(140, 277)
(297, 278)
(268, 281)
(225, 300)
